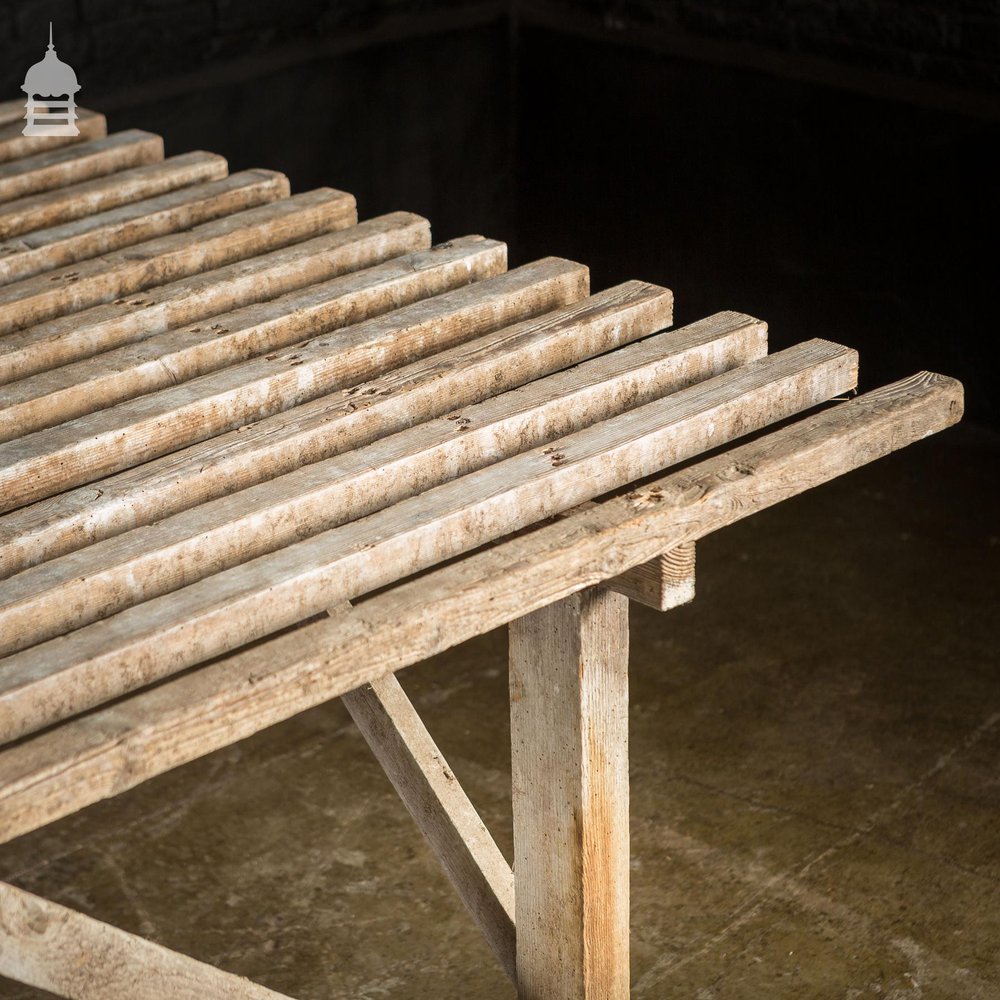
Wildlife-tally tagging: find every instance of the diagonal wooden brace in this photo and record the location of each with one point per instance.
(72, 955)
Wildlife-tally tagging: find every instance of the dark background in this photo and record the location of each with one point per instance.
(828, 165)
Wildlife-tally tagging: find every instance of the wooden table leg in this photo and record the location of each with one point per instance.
(569, 740)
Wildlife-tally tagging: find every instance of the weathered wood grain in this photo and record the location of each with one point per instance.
(104, 232)
(662, 583)
(13, 111)
(117, 747)
(65, 204)
(210, 617)
(79, 588)
(79, 162)
(14, 145)
(500, 354)
(137, 430)
(53, 948)
(569, 756)
(165, 260)
(357, 282)
(440, 808)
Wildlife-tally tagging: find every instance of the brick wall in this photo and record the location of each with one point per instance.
(114, 43)
(953, 42)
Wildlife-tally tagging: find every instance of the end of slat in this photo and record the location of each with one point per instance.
(571, 264)
(276, 177)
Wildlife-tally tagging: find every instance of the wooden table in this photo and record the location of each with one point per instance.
(255, 455)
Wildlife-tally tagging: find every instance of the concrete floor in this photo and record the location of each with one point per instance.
(815, 790)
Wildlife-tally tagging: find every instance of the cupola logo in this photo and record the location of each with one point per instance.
(46, 84)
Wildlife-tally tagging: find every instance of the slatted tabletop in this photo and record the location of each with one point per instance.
(244, 432)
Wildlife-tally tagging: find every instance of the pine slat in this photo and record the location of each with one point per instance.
(167, 634)
(365, 269)
(14, 110)
(14, 145)
(137, 430)
(104, 232)
(501, 354)
(79, 588)
(79, 162)
(115, 748)
(170, 258)
(50, 208)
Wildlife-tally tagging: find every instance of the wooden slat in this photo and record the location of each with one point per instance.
(53, 948)
(138, 430)
(371, 286)
(102, 754)
(104, 232)
(499, 358)
(440, 808)
(50, 208)
(569, 755)
(169, 633)
(79, 162)
(254, 277)
(13, 111)
(14, 145)
(168, 259)
(81, 587)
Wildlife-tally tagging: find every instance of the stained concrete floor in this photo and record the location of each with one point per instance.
(815, 783)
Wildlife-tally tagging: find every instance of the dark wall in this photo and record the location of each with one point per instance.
(828, 165)
(824, 212)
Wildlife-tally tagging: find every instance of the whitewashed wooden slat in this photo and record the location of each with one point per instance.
(161, 636)
(105, 232)
(162, 261)
(135, 431)
(50, 208)
(13, 144)
(80, 162)
(79, 588)
(363, 271)
(14, 110)
(500, 354)
(117, 747)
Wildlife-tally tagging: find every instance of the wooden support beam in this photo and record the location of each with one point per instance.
(79, 162)
(13, 144)
(169, 633)
(569, 749)
(105, 232)
(30, 309)
(661, 584)
(50, 947)
(119, 746)
(440, 808)
(501, 354)
(50, 208)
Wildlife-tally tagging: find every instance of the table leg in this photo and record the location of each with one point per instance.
(569, 742)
